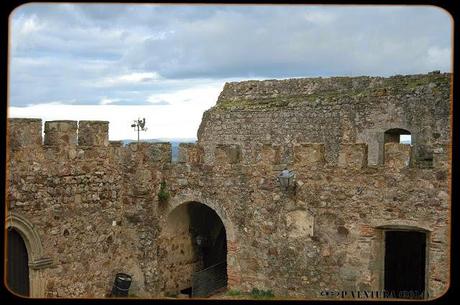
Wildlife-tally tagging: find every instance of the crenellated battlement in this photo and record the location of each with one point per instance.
(60, 133)
(27, 133)
(313, 155)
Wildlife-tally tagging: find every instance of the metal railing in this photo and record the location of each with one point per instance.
(206, 281)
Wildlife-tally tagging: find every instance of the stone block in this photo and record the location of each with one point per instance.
(268, 154)
(353, 156)
(24, 133)
(228, 154)
(441, 153)
(397, 156)
(93, 133)
(299, 223)
(190, 153)
(309, 154)
(61, 133)
(157, 152)
(366, 231)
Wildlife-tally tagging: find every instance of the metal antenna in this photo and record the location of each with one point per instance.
(138, 126)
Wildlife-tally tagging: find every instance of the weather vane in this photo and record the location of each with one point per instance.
(138, 126)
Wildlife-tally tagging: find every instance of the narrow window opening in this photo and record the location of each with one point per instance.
(405, 139)
(395, 135)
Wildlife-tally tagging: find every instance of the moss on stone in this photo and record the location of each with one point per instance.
(282, 93)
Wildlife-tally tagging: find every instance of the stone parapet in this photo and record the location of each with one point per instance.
(24, 133)
(190, 153)
(61, 133)
(93, 133)
(158, 152)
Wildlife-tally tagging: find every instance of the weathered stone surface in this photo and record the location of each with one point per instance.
(96, 209)
(309, 154)
(300, 224)
(93, 133)
(61, 133)
(268, 154)
(397, 156)
(230, 154)
(442, 156)
(353, 155)
(332, 111)
(24, 132)
(190, 153)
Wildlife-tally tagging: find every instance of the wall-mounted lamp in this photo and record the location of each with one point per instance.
(286, 179)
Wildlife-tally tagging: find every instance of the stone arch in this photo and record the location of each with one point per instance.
(233, 267)
(197, 197)
(37, 262)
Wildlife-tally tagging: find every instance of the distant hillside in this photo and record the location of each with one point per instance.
(174, 144)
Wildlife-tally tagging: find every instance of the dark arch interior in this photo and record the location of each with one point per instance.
(18, 264)
(196, 242)
(394, 136)
(205, 222)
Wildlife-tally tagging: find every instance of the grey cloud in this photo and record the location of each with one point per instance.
(160, 103)
(76, 46)
(134, 102)
(226, 39)
(284, 43)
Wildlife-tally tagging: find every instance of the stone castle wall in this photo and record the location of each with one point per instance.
(332, 111)
(94, 203)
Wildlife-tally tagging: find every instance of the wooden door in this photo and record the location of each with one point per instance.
(18, 264)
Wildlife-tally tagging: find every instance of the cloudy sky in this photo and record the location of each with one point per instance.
(168, 63)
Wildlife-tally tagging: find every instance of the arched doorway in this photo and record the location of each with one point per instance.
(194, 250)
(17, 264)
(25, 260)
